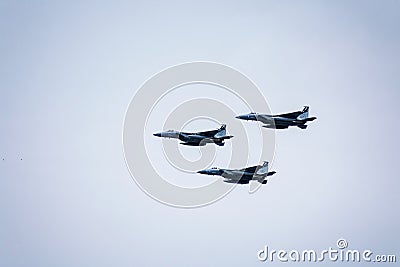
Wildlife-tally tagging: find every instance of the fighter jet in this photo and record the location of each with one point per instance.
(281, 121)
(242, 176)
(217, 137)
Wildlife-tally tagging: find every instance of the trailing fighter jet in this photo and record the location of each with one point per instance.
(282, 121)
(217, 137)
(242, 176)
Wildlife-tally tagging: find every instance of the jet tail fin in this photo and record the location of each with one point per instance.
(262, 172)
(304, 113)
(221, 131)
(263, 169)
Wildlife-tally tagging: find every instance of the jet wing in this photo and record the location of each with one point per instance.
(251, 169)
(194, 140)
(260, 178)
(208, 134)
(265, 118)
(282, 121)
(290, 115)
(233, 181)
(192, 143)
(278, 124)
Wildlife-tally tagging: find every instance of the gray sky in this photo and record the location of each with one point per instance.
(69, 71)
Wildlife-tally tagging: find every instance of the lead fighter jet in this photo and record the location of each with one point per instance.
(281, 121)
(217, 137)
(242, 176)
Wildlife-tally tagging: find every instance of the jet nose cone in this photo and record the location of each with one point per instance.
(247, 117)
(241, 117)
(157, 134)
(202, 172)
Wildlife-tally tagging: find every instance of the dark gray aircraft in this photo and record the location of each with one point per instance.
(217, 137)
(242, 176)
(281, 121)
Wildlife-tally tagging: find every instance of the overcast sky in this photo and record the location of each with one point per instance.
(69, 70)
